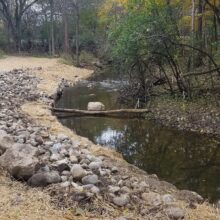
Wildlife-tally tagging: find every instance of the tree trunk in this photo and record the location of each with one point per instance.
(77, 32)
(52, 52)
(65, 23)
(193, 31)
(200, 23)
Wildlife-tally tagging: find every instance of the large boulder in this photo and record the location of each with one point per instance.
(43, 179)
(96, 106)
(20, 161)
(6, 141)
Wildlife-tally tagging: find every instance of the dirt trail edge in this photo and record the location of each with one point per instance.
(125, 191)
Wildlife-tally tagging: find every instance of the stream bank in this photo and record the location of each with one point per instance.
(116, 190)
(187, 159)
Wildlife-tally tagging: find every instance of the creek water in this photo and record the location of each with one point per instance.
(188, 160)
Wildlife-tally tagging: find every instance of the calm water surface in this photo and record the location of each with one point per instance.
(188, 160)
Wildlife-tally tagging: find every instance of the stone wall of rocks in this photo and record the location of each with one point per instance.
(70, 172)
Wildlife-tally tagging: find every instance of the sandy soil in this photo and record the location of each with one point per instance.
(51, 71)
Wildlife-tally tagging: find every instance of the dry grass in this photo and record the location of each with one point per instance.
(18, 202)
(203, 212)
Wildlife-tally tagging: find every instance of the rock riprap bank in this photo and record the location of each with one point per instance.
(98, 187)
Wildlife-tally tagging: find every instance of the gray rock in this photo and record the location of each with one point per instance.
(175, 212)
(43, 179)
(153, 199)
(66, 173)
(85, 161)
(73, 159)
(95, 190)
(95, 165)
(62, 137)
(55, 157)
(20, 160)
(39, 139)
(122, 218)
(143, 185)
(85, 151)
(55, 148)
(122, 200)
(113, 189)
(65, 184)
(191, 196)
(90, 179)
(77, 171)
(64, 153)
(114, 169)
(64, 178)
(91, 158)
(6, 141)
(62, 167)
(125, 189)
(168, 199)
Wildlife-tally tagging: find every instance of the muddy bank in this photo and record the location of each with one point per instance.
(95, 183)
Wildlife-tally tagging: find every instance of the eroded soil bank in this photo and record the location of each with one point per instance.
(91, 182)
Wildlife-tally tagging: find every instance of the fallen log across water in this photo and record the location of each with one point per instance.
(120, 113)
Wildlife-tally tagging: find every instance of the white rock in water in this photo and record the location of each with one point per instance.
(96, 106)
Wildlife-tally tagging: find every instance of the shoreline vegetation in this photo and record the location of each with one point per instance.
(38, 112)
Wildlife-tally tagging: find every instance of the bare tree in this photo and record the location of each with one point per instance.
(52, 38)
(215, 8)
(13, 11)
(65, 22)
(77, 12)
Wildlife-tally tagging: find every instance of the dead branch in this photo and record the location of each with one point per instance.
(202, 73)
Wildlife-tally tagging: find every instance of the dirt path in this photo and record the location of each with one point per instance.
(51, 71)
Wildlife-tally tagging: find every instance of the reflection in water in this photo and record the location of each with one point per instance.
(188, 160)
